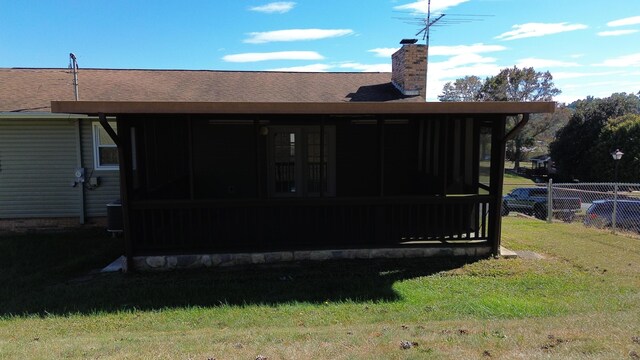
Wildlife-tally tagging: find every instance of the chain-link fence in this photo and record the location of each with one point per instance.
(614, 206)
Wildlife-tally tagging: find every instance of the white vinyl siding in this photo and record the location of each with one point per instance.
(37, 166)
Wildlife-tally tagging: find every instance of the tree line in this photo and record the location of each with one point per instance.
(580, 136)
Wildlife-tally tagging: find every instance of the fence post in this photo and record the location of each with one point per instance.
(615, 208)
(549, 200)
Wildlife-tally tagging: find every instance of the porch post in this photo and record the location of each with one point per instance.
(124, 148)
(498, 148)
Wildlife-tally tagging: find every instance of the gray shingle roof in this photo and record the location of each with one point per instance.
(34, 89)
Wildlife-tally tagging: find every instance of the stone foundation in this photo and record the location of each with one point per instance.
(48, 224)
(168, 262)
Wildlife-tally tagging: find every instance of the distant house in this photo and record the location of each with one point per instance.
(542, 166)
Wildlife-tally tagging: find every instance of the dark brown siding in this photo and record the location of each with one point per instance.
(224, 160)
(356, 160)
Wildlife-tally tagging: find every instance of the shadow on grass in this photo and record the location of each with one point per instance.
(56, 274)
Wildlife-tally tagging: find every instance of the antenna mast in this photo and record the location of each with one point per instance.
(73, 64)
(438, 21)
(427, 31)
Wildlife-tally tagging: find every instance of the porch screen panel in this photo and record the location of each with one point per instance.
(285, 162)
(316, 171)
(485, 159)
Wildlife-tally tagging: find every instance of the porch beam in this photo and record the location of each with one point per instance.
(109, 129)
(516, 129)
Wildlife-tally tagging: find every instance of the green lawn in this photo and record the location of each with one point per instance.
(581, 301)
(512, 181)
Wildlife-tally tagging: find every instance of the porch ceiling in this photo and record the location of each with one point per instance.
(293, 108)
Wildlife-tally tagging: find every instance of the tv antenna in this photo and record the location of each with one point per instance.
(438, 20)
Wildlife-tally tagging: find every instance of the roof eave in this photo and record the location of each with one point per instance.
(319, 108)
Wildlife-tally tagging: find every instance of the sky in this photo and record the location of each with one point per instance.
(592, 48)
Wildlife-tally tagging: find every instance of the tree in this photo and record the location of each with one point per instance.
(619, 133)
(464, 89)
(574, 149)
(511, 84)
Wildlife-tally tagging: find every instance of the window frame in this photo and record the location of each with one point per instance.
(95, 130)
(302, 161)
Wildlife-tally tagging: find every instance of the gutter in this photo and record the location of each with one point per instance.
(40, 115)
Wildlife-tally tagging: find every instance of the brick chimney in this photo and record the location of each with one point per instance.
(409, 68)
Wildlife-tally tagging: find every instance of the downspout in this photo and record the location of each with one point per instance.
(124, 166)
(79, 166)
(495, 218)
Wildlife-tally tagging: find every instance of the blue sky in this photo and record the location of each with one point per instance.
(591, 47)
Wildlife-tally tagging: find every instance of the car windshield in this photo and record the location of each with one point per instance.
(601, 207)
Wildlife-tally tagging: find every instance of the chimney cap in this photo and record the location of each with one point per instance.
(408, 41)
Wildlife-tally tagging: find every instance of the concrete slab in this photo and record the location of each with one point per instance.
(507, 254)
(519, 254)
(116, 265)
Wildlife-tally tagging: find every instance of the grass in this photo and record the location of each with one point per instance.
(512, 181)
(581, 301)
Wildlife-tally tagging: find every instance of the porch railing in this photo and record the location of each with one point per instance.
(299, 224)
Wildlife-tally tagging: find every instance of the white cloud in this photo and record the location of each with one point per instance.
(622, 61)
(279, 7)
(544, 63)
(634, 20)
(446, 50)
(422, 5)
(464, 49)
(295, 35)
(367, 67)
(280, 55)
(305, 68)
(456, 67)
(616, 32)
(576, 75)
(383, 52)
(521, 31)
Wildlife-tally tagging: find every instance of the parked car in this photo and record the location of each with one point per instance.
(533, 201)
(600, 214)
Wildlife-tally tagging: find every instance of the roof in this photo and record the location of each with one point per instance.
(33, 89)
(336, 108)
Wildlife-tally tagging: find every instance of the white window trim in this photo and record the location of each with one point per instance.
(95, 126)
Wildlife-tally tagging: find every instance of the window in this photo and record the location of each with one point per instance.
(298, 167)
(105, 151)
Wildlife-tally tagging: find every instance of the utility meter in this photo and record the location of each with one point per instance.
(79, 175)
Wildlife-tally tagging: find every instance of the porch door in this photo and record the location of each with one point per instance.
(297, 168)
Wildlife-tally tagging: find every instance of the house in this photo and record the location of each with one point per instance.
(542, 166)
(268, 167)
(61, 170)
